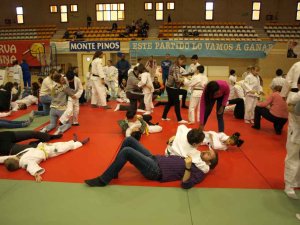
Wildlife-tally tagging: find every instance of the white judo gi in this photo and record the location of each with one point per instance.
(148, 89)
(31, 157)
(17, 73)
(215, 140)
(111, 79)
(181, 147)
(28, 101)
(98, 88)
(277, 81)
(196, 84)
(292, 160)
(137, 125)
(193, 67)
(251, 84)
(73, 104)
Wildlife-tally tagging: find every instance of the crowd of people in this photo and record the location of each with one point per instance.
(136, 89)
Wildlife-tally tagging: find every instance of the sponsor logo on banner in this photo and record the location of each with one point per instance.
(90, 46)
(222, 49)
(35, 52)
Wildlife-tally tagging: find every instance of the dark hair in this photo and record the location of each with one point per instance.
(214, 161)
(22, 106)
(181, 57)
(15, 62)
(279, 72)
(211, 88)
(195, 136)
(200, 69)
(137, 135)
(11, 164)
(130, 114)
(194, 57)
(277, 88)
(40, 80)
(35, 89)
(97, 54)
(8, 86)
(236, 138)
(70, 75)
(56, 77)
(141, 68)
(231, 72)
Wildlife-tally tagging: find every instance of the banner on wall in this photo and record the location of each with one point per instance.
(35, 52)
(219, 49)
(91, 46)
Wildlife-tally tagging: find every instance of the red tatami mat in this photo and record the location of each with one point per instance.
(258, 164)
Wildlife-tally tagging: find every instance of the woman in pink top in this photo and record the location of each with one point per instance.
(277, 114)
(215, 91)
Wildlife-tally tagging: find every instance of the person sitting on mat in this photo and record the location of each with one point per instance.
(134, 123)
(153, 167)
(9, 140)
(186, 142)
(221, 141)
(277, 113)
(30, 158)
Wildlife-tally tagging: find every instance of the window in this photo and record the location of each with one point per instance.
(209, 10)
(74, 8)
(64, 13)
(110, 12)
(298, 11)
(20, 18)
(170, 6)
(148, 5)
(53, 8)
(159, 15)
(256, 10)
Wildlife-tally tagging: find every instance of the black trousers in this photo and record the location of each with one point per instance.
(208, 109)
(173, 100)
(134, 98)
(239, 109)
(278, 122)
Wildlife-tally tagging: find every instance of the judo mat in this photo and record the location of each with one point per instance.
(258, 164)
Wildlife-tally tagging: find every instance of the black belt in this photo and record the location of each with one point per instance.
(294, 90)
(94, 75)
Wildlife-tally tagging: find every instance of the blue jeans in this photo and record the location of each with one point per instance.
(13, 124)
(208, 110)
(55, 114)
(135, 153)
(46, 101)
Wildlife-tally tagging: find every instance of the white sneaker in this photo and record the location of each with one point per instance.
(117, 108)
(166, 119)
(290, 192)
(141, 110)
(44, 130)
(182, 121)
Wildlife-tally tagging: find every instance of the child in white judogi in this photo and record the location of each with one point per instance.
(122, 98)
(73, 102)
(30, 158)
(24, 102)
(196, 84)
(193, 67)
(111, 78)
(183, 145)
(148, 89)
(221, 141)
(252, 89)
(236, 92)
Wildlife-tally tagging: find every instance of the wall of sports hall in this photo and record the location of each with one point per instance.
(37, 13)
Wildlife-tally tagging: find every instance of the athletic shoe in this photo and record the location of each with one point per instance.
(166, 119)
(290, 192)
(117, 108)
(182, 121)
(44, 130)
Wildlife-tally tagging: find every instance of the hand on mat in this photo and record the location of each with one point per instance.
(38, 178)
(188, 162)
(221, 110)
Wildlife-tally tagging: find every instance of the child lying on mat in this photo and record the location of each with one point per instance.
(221, 141)
(30, 158)
(186, 142)
(135, 125)
(154, 167)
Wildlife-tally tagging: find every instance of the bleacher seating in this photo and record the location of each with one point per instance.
(102, 33)
(27, 32)
(282, 31)
(207, 31)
